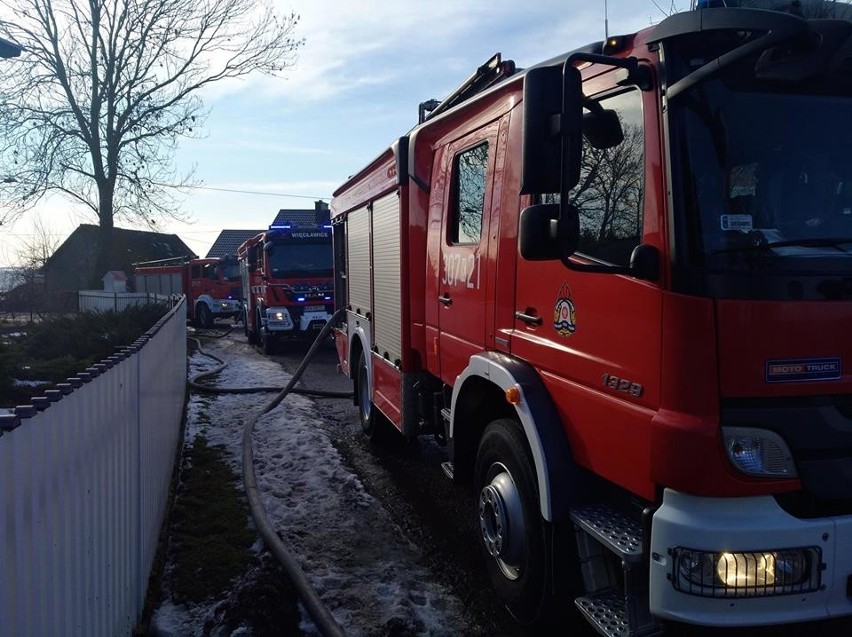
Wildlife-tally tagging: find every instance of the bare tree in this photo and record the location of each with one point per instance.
(609, 195)
(95, 105)
(32, 294)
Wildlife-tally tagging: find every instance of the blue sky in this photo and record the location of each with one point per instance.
(356, 86)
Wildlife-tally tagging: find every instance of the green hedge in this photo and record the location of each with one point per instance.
(63, 345)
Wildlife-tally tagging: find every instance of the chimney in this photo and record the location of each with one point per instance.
(320, 206)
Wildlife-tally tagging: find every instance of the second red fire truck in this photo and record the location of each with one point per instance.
(619, 285)
(211, 286)
(287, 282)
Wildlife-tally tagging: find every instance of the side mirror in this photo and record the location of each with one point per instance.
(602, 129)
(645, 262)
(552, 134)
(545, 234)
(251, 258)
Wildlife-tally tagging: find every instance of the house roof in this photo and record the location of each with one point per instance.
(228, 241)
(319, 214)
(72, 265)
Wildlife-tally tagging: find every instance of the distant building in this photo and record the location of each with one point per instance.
(320, 214)
(72, 266)
(228, 241)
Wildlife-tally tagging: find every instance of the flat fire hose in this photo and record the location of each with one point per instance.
(320, 614)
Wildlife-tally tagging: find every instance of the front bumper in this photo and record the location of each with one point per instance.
(227, 308)
(279, 319)
(753, 524)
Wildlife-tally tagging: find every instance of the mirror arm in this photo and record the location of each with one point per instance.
(597, 269)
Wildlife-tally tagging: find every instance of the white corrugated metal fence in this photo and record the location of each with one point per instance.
(84, 481)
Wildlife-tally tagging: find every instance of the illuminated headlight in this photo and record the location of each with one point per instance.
(746, 574)
(758, 452)
(279, 316)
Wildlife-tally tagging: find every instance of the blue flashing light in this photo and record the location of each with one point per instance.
(285, 226)
(301, 298)
(327, 298)
(327, 226)
(712, 4)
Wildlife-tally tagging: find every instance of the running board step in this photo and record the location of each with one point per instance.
(448, 469)
(614, 530)
(607, 613)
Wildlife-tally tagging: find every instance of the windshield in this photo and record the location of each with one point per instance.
(300, 260)
(763, 174)
(230, 272)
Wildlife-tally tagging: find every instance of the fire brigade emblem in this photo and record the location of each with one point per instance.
(564, 314)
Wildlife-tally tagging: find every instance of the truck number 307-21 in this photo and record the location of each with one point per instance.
(461, 270)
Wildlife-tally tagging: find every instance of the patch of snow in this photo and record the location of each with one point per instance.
(366, 572)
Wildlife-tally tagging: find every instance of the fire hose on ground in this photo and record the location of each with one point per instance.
(321, 616)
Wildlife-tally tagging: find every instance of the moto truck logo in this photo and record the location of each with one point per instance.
(802, 369)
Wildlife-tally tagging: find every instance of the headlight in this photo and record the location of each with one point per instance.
(758, 452)
(279, 316)
(746, 574)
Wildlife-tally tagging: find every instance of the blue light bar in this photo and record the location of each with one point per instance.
(285, 226)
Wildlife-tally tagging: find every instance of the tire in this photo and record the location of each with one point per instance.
(203, 316)
(512, 533)
(252, 334)
(373, 424)
(267, 341)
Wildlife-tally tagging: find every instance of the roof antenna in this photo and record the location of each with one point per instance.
(606, 22)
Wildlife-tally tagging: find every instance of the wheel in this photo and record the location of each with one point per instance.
(251, 333)
(373, 424)
(512, 533)
(203, 315)
(267, 341)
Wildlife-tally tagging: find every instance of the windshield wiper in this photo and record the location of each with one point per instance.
(760, 246)
(820, 242)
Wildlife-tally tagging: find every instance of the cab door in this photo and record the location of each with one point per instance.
(460, 244)
(596, 338)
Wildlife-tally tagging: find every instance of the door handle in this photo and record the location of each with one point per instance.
(529, 319)
(445, 299)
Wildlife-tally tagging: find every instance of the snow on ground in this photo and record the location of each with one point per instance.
(365, 571)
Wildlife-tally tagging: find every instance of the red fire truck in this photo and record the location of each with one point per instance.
(618, 284)
(211, 286)
(287, 282)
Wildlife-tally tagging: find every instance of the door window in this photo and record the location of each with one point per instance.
(609, 195)
(468, 195)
